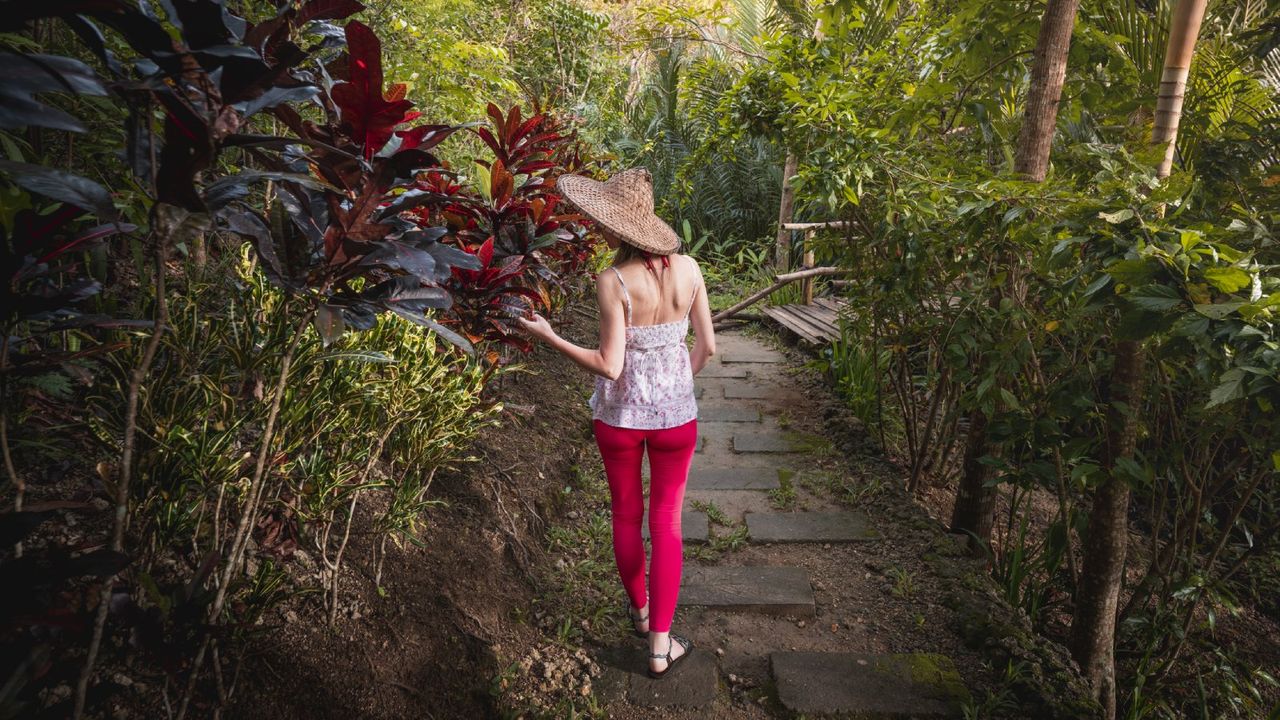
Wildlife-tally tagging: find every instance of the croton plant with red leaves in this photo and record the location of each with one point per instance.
(337, 230)
(530, 246)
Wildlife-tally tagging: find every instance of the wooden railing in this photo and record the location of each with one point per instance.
(806, 287)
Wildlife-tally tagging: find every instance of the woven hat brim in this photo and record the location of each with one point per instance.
(647, 231)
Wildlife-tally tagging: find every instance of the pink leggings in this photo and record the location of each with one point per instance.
(670, 454)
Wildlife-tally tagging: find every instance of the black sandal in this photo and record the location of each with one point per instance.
(688, 648)
(635, 621)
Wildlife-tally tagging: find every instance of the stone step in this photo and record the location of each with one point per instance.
(768, 589)
(750, 354)
(767, 442)
(625, 678)
(720, 370)
(728, 414)
(744, 390)
(732, 479)
(872, 687)
(817, 527)
(694, 526)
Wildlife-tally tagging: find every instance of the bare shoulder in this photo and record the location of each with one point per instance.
(607, 282)
(696, 268)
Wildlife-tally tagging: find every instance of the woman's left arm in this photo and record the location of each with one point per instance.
(606, 361)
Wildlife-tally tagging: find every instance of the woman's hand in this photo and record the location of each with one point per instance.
(537, 326)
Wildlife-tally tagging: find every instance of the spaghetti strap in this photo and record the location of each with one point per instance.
(626, 297)
(693, 296)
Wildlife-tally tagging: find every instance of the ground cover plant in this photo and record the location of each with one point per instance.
(200, 376)
(262, 262)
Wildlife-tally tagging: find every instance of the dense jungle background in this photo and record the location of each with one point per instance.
(262, 262)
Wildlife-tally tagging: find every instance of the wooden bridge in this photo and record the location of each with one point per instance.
(814, 321)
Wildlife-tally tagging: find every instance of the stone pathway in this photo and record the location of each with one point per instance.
(752, 613)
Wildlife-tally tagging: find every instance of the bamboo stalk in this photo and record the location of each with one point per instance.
(781, 282)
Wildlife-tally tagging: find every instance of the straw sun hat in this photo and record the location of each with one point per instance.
(623, 205)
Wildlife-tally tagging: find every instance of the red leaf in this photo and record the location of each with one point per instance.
(424, 137)
(501, 184)
(328, 10)
(370, 116)
(492, 142)
(529, 126)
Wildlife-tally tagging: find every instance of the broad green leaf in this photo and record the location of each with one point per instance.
(1155, 298)
(1117, 217)
(1228, 279)
(1132, 272)
(1218, 311)
(1230, 387)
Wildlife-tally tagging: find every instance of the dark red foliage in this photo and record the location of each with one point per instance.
(528, 243)
(369, 116)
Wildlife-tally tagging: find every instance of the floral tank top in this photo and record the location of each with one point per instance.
(655, 389)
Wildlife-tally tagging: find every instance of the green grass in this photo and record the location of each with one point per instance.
(582, 578)
(784, 497)
(845, 488)
(712, 511)
(904, 583)
(733, 536)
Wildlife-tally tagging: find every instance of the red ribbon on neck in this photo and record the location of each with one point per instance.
(648, 261)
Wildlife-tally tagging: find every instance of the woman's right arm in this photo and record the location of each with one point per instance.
(704, 344)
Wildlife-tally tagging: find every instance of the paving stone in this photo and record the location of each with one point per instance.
(743, 390)
(733, 479)
(719, 370)
(728, 414)
(694, 526)
(810, 527)
(750, 354)
(624, 677)
(767, 589)
(870, 687)
(766, 442)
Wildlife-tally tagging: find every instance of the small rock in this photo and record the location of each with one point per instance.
(733, 679)
(291, 617)
(800, 624)
(573, 515)
(122, 679)
(719, 652)
(826, 546)
(63, 692)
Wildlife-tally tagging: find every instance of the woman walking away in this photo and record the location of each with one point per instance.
(644, 390)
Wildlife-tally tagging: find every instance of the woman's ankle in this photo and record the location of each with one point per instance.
(658, 641)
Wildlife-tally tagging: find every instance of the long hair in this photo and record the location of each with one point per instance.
(627, 252)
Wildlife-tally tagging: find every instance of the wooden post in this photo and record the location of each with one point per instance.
(808, 263)
(782, 247)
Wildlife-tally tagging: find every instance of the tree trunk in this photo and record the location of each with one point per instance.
(975, 502)
(975, 510)
(1048, 70)
(1184, 27)
(1102, 576)
(1093, 626)
(782, 248)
